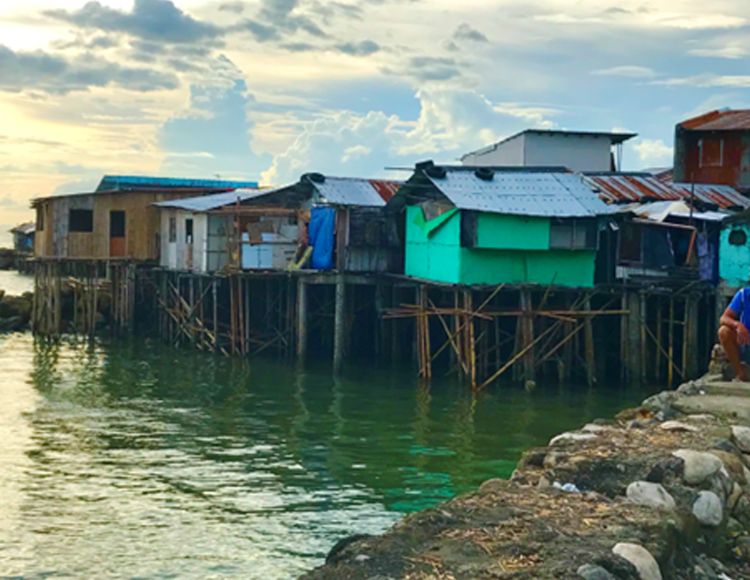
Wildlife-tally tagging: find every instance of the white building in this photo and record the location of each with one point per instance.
(577, 150)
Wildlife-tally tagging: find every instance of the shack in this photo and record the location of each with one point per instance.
(341, 219)
(662, 231)
(117, 220)
(714, 148)
(734, 253)
(23, 237)
(200, 234)
(470, 225)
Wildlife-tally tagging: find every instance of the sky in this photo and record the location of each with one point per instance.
(269, 89)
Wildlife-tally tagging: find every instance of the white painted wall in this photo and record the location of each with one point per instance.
(177, 255)
(508, 154)
(578, 153)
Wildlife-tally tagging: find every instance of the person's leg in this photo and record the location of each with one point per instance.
(728, 340)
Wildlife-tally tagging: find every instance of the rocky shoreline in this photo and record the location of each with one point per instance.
(660, 491)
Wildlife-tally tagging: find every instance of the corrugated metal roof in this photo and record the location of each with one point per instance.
(214, 201)
(660, 210)
(621, 187)
(355, 191)
(723, 120)
(115, 182)
(25, 228)
(552, 194)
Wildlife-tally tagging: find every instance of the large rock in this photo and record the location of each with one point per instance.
(568, 438)
(699, 465)
(741, 437)
(708, 509)
(641, 558)
(650, 494)
(592, 572)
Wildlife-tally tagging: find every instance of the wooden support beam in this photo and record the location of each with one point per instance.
(301, 320)
(588, 340)
(339, 325)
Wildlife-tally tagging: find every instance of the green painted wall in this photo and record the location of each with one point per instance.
(510, 232)
(734, 261)
(438, 255)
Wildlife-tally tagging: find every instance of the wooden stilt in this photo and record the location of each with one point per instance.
(301, 320)
(339, 324)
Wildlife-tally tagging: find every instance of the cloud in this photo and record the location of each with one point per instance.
(450, 122)
(233, 7)
(22, 71)
(628, 71)
(427, 68)
(149, 19)
(362, 48)
(707, 81)
(654, 152)
(213, 136)
(466, 32)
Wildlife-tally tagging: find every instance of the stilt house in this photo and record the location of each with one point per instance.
(118, 220)
(663, 231)
(341, 219)
(469, 225)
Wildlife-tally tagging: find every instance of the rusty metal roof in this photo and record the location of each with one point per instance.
(519, 192)
(723, 120)
(353, 191)
(624, 187)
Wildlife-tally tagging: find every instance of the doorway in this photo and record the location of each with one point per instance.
(117, 234)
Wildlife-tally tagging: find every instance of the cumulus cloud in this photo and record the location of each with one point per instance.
(450, 122)
(149, 19)
(40, 71)
(629, 71)
(214, 134)
(427, 68)
(653, 152)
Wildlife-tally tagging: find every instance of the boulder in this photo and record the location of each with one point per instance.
(708, 509)
(650, 494)
(677, 426)
(641, 558)
(699, 465)
(741, 437)
(592, 572)
(568, 438)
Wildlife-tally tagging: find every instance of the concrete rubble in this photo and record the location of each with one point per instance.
(660, 491)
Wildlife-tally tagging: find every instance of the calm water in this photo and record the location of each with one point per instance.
(14, 283)
(137, 460)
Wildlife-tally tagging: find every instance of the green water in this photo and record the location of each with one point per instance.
(138, 460)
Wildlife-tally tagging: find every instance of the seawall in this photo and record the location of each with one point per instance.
(661, 491)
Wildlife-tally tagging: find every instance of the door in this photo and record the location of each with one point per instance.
(189, 243)
(117, 233)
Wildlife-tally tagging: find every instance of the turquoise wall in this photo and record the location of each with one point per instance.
(513, 250)
(734, 261)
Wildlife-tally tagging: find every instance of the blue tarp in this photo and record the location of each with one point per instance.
(320, 236)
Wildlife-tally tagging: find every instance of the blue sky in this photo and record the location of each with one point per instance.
(268, 89)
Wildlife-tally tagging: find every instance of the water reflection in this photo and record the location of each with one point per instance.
(136, 459)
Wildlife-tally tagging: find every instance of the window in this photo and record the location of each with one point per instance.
(573, 235)
(81, 220)
(711, 151)
(172, 229)
(737, 238)
(189, 231)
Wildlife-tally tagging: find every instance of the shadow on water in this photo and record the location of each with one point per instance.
(146, 460)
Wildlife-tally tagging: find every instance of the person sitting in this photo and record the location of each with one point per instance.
(734, 335)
